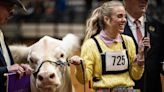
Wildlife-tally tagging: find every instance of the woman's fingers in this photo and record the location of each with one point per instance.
(76, 60)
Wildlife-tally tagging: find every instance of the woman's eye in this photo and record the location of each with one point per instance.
(121, 15)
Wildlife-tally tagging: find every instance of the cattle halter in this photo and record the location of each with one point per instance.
(58, 63)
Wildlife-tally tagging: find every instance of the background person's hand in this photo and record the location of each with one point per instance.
(28, 70)
(16, 68)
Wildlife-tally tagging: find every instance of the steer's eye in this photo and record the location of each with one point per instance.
(32, 61)
(62, 55)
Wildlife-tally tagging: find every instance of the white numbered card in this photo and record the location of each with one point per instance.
(116, 61)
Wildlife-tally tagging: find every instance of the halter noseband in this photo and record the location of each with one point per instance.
(58, 63)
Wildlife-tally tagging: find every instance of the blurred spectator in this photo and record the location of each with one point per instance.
(38, 10)
(60, 11)
(60, 7)
(156, 9)
(48, 15)
(88, 7)
(159, 2)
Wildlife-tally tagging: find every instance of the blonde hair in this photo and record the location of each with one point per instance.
(95, 22)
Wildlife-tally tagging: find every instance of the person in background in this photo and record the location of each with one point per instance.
(141, 26)
(6, 61)
(108, 58)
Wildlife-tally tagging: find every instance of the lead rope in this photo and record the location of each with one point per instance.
(82, 66)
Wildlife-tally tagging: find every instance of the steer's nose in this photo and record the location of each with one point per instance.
(46, 76)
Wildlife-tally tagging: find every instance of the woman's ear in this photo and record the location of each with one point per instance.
(106, 19)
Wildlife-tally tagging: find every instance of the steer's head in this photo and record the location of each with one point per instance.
(48, 58)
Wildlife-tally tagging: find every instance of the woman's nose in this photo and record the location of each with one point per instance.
(124, 19)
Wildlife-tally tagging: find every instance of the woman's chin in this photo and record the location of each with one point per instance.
(121, 30)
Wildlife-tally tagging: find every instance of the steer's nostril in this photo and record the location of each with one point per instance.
(52, 76)
(40, 77)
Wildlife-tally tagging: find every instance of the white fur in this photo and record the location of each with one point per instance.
(19, 53)
(48, 48)
(71, 43)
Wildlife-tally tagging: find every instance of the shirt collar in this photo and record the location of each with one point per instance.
(104, 37)
(131, 20)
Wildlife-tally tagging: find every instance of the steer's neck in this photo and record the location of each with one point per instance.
(67, 84)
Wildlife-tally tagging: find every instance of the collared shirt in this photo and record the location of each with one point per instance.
(132, 25)
(4, 49)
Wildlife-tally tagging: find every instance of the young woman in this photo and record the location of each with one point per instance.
(109, 58)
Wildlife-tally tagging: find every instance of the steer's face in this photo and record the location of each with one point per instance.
(47, 57)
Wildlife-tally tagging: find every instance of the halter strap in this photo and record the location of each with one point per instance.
(62, 64)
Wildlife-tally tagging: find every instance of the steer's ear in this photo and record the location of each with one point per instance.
(71, 44)
(19, 53)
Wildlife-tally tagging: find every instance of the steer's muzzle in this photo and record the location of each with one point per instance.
(50, 74)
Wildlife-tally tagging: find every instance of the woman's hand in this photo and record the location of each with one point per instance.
(145, 43)
(76, 60)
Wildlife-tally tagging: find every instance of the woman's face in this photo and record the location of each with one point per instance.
(6, 12)
(117, 20)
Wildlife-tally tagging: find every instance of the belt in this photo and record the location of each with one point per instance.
(118, 89)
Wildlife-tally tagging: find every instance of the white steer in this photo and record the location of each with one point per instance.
(48, 58)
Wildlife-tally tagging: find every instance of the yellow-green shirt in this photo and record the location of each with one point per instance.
(93, 67)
